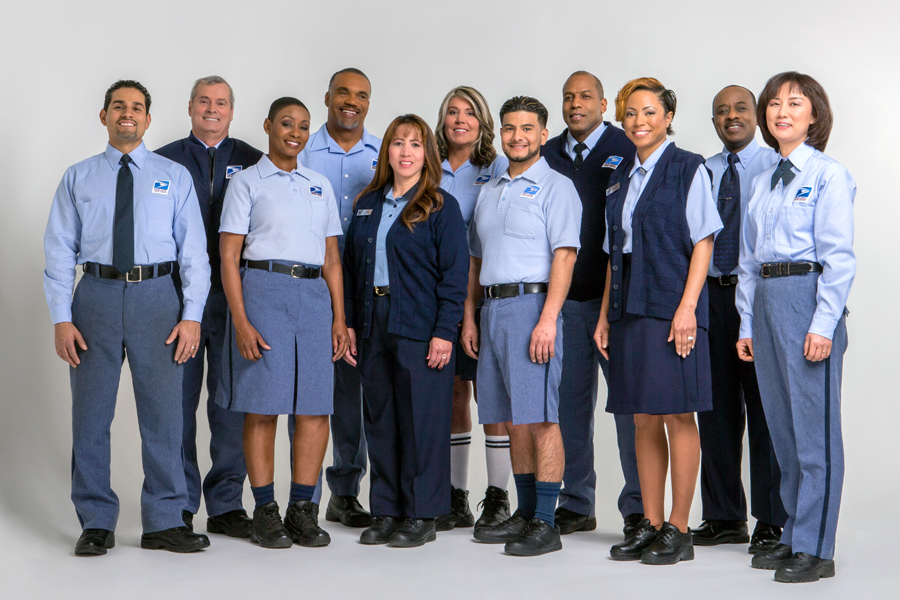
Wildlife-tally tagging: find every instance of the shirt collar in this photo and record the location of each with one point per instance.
(448, 169)
(651, 160)
(138, 156)
(533, 174)
(323, 141)
(267, 168)
(389, 194)
(800, 155)
(590, 141)
(204, 144)
(745, 155)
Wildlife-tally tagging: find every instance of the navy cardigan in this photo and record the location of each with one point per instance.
(428, 269)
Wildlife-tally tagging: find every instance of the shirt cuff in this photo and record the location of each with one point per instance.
(823, 326)
(746, 328)
(192, 312)
(445, 334)
(61, 313)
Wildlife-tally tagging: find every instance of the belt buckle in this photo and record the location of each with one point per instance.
(722, 281)
(491, 290)
(140, 275)
(377, 291)
(297, 267)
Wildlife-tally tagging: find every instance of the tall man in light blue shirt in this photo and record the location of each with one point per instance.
(344, 152)
(126, 215)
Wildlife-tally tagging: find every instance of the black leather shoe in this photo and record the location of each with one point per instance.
(95, 542)
(570, 521)
(712, 533)
(176, 539)
(347, 511)
(630, 524)
(539, 537)
(459, 515)
(770, 560)
(380, 531)
(495, 508)
(765, 537)
(671, 546)
(268, 530)
(632, 548)
(188, 518)
(503, 532)
(413, 533)
(302, 522)
(804, 568)
(234, 523)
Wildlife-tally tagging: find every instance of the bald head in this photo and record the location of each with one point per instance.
(589, 76)
(734, 117)
(583, 104)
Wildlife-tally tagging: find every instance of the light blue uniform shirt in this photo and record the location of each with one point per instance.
(285, 216)
(753, 160)
(590, 141)
(466, 183)
(519, 223)
(348, 172)
(811, 219)
(700, 208)
(167, 226)
(389, 214)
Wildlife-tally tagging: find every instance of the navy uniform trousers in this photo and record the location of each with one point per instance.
(735, 397)
(577, 404)
(134, 319)
(802, 400)
(223, 486)
(407, 417)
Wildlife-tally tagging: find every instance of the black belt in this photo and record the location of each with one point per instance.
(295, 271)
(723, 280)
(133, 275)
(511, 290)
(787, 268)
(382, 290)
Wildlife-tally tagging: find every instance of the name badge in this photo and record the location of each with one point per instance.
(612, 189)
(374, 163)
(612, 162)
(232, 170)
(482, 179)
(803, 195)
(530, 192)
(161, 187)
(364, 212)
(315, 190)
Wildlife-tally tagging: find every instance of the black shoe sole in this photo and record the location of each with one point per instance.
(161, 545)
(589, 524)
(528, 551)
(213, 527)
(481, 537)
(624, 557)
(408, 543)
(738, 538)
(825, 571)
(756, 549)
(318, 542)
(278, 545)
(355, 521)
(452, 524)
(768, 566)
(683, 554)
(97, 550)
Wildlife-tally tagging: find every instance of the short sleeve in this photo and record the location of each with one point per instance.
(237, 205)
(334, 215)
(474, 240)
(563, 213)
(700, 208)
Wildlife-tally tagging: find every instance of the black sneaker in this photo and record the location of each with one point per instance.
(539, 537)
(347, 511)
(302, 523)
(380, 531)
(769, 560)
(268, 531)
(176, 539)
(765, 537)
(634, 546)
(459, 515)
(804, 568)
(95, 542)
(503, 532)
(570, 521)
(234, 523)
(495, 508)
(630, 524)
(671, 546)
(413, 533)
(713, 532)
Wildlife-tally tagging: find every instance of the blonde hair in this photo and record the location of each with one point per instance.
(483, 151)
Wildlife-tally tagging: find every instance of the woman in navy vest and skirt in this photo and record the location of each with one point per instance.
(406, 268)
(661, 223)
(281, 271)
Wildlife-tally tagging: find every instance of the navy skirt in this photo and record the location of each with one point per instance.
(296, 376)
(646, 375)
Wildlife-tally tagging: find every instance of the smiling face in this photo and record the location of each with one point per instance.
(583, 106)
(211, 111)
(348, 101)
(126, 119)
(788, 117)
(461, 127)
(734, 116)
(522, 137)
(288, 133)
(645, 122)
(406, 154)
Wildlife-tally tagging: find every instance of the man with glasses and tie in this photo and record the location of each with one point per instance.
(127, 216)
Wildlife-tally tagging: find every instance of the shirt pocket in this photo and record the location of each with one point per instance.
(795, 227)
(158, 214)
(318, 217)
(96, 216)
(521, 222)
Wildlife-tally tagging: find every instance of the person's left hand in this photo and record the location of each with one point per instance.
(439, 353)
(543, 342)
(683, 330)
(340, 340)
(188, 335)
(816, 347)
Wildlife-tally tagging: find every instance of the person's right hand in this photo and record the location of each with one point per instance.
(249, 342)
(601, 336)
(745, 349)
(66, 335)
(350, 355)
(469, 338)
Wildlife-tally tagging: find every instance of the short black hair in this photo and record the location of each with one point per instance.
(353, 70)
(283, 103)
(126, 83)
(820, 131)
(596, 79)
(740, 87)
(525, 104)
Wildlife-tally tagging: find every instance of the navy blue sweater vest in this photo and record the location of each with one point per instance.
(591, 181)
(191, 154)
(661, 240)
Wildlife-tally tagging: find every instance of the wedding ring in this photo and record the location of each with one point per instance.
(690, 337)
(193, 347)
(443, 356)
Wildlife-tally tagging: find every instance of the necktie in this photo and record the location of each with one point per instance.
(579, 159)
(211, 151)
(123, 226)
(783, 172)
(729, 204)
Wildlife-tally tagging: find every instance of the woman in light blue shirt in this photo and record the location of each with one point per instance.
(281, 272)
(796, 268)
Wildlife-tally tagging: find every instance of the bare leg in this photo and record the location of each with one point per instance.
(259, 448)
(652, 453)
(684, 441)
(521, 448)
(461, 419)
(310, 442)
(549, 456)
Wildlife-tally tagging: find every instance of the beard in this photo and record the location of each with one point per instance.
(525, 158)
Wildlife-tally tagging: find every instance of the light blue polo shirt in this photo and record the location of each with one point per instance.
(466, 182)
(519, 222)
(285, 216)
(393, 208)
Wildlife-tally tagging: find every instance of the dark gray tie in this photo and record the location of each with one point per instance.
(783, 172)
(211, 152)
(729, 204)
(123, 226)
(579, 159)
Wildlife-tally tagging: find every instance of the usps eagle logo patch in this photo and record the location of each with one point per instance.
(530, 192)
(374, 163)
(232, 170)
(482, 179)
(612, 162)
(803, 195)
(315, 190)
(161, 187)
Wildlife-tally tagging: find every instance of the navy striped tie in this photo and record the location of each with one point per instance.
(726, 249)
(123, 226)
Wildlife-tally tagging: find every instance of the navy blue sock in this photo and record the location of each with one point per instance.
(264, 494)
(300, 492)
(547, 493)
(525, 491)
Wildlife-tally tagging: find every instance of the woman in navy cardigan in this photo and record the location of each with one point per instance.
(406, 268)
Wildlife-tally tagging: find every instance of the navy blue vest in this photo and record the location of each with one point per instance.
(591, 181)
(191, 154)
(661, 240)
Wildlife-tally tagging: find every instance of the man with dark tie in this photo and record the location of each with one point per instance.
(735, 390)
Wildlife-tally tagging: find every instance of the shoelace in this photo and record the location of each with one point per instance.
(307, 515)
(380, 522)
(532, 529)
(668, 535)
(270, 519)
(491, 502)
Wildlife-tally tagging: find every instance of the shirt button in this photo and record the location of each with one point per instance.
(345, 218)
(370, 240)
(615, 227)
(346, 175)
(615, 305)
(615, 268)
(368, 261)
(367, 302)
(615, 286)
(365, 324)
(615, 247)
(346, 197)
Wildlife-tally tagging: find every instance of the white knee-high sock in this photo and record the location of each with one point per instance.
(459, 459)
(496, 452)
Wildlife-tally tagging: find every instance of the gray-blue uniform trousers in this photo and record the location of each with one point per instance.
(223, 486)
(119, 318)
